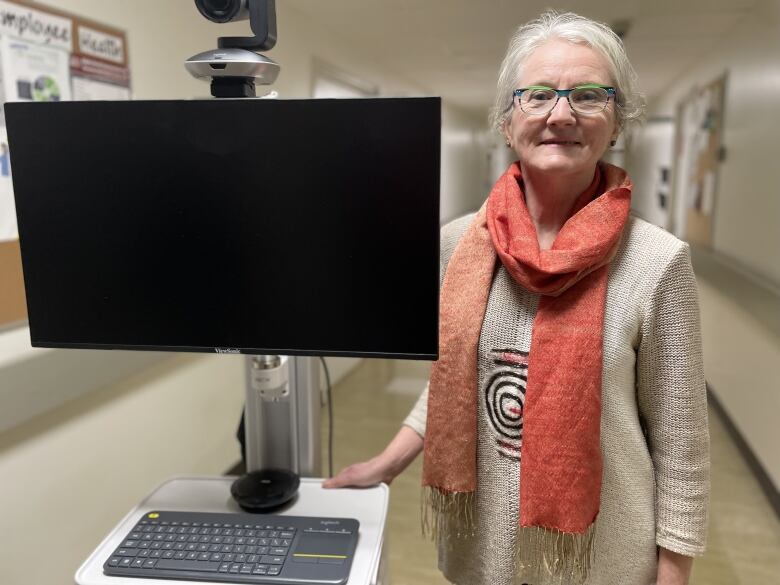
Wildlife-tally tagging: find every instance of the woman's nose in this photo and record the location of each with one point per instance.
(561, 113)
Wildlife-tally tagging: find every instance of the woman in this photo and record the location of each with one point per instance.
(566, 430)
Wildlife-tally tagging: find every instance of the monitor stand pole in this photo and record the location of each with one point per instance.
(283, 414)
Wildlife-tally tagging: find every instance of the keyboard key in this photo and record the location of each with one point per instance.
(126, 552)
(150, 563)
(246, 569)
(278, 551)
(125, 562)
(137, 563)
(274, 570)
(114, 561)
(259, 570)
(272, 560)
(174, 565)
(224, 567)
(235, 568)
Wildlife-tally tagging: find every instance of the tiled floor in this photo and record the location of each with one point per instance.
(744, 541)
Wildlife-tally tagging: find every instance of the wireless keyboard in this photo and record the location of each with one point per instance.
(237, 548)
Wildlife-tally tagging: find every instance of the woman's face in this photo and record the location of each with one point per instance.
(562, 141)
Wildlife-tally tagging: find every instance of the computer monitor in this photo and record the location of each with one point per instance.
(295, 227)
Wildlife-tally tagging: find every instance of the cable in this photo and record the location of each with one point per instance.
(330, 419)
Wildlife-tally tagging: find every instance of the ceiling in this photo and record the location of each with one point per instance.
(453, 48)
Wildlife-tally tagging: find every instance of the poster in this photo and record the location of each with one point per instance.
(35, 26)
(85, 88)
(8, 229)
(34, 72)
(98, 80)
(698, 155)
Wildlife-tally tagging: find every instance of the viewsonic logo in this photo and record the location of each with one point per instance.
(226, 350)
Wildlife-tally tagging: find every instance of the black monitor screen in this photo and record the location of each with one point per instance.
(300, 227)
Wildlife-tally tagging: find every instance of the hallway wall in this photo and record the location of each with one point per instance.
(740, 281)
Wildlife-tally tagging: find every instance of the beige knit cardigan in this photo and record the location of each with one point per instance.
(654, 434)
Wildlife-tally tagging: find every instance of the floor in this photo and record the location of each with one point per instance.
(370, 403)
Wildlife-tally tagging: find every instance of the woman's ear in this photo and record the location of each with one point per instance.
(615, 135)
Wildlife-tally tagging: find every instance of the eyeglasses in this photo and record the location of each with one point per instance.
(538, 100)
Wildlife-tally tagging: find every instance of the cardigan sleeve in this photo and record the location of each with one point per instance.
(418, 417)
(672, 402)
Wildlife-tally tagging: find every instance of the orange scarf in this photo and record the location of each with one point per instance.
(560, 453)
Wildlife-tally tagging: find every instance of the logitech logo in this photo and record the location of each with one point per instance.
(329, 522)
(226, 350)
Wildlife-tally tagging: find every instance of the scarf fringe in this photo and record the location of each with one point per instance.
(543, 554)
(446, 515)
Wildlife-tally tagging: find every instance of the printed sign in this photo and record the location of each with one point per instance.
(35, 26)
(99, 44)
(34, 72)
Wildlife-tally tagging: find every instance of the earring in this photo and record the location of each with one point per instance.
(613, 143)
(508, 144)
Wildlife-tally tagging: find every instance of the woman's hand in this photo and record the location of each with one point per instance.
(396, 457)
(363, 474)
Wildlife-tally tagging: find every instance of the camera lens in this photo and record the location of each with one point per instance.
(220, 10)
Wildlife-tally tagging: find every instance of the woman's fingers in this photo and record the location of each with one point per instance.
(357, 475)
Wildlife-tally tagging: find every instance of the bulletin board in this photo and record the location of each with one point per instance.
(698, 154)
(47, 55)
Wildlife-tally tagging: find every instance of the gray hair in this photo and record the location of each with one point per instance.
(630, 104)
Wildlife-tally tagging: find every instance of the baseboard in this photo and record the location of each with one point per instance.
(765, 481)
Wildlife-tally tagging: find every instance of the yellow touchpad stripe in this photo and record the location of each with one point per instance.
(320, 556)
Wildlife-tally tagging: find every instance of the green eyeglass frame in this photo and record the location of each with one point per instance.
(611, 92)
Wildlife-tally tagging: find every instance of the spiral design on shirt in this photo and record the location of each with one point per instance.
(504, 402)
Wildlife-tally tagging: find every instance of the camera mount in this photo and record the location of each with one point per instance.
(235, 67)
